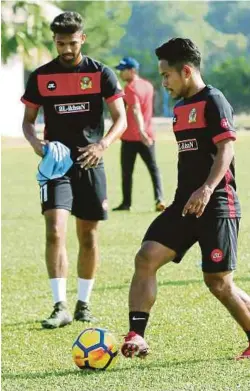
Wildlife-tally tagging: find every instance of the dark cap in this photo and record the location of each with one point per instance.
(128, 63)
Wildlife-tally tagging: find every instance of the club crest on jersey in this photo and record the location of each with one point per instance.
(187, 145)
(70, 108)
(192, 116)
(86, 83)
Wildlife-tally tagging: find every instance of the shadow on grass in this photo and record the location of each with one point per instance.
(19, 324)
(143, 364)
(160, 283)
(35, 327)
(102, 288)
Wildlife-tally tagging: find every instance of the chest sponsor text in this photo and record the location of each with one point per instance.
(70, 108)
(187, 145)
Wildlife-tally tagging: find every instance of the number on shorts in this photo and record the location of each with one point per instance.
(44, 193)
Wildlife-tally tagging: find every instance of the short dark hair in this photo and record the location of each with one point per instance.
(67, 23)
(178, 52)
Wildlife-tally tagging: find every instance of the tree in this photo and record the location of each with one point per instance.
(26, 28)
(105, 21)
(25, 31)
(232, 77)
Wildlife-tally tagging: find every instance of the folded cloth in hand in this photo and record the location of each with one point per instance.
(55, 163)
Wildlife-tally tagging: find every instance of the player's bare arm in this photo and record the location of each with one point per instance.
(29, 131)
(140, 122)
(92, 153)
(200, 198)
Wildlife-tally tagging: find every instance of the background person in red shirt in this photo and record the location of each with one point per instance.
(138, 137)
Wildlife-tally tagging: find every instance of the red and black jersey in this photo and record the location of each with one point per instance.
(199, 123)
(72, 100)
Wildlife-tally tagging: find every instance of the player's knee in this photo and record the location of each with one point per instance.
(54, 234)
(219, 287)
(143, 261)
(88, 239)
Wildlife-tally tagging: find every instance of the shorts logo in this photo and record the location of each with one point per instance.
(51, 85)
(105, 205)
(192, 116)
(85, 83)
(216, 255)
(70, 108)
(188, 145)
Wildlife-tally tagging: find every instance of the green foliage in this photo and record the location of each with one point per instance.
(213, 26)
(25, 28)
(104, 21)
(232, 76)
(25, 31)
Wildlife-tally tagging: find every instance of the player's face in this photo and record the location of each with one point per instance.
(69, 47)
(174, 81)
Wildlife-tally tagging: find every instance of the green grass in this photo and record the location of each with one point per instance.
(192, 337)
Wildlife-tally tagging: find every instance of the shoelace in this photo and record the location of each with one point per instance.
(55, 311)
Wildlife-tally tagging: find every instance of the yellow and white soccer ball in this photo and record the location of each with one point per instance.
(95, 348)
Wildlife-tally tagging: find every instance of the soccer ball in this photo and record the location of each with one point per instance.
(95, 348)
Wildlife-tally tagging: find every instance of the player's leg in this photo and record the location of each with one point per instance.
(142, 295)
(167, 239)
(244, 296)
(88, 258)
(56, 199)
(219, 251)
(148, 156)
(221, 285)
(128, 157)
(89, 206)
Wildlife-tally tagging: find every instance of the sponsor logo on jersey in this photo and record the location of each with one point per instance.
(86, 83)
(225, 124)
(51, 85)
(70, 108)
(216, 255)
(192, 116)
(188, 145)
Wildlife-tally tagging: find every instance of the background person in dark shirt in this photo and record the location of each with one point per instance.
(205, 208)
(139, 136)
(71, 89)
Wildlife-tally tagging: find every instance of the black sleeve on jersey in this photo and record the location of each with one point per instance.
(31, 95)
(110, 86)
(219, 118)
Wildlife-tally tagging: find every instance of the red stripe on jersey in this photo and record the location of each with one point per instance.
(224, 136)
(66, 84)
(30, 104)
(190, 116)
(114, 97)
(230, 195)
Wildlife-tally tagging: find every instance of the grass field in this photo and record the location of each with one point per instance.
(192, 338)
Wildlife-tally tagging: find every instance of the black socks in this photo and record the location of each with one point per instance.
(138, 322)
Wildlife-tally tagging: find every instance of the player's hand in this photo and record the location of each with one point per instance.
(198, 201)
(37, 145)
(146, 139)
(91, 155)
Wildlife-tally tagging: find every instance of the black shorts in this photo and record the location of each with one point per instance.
(217, 237)
(83, 192)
